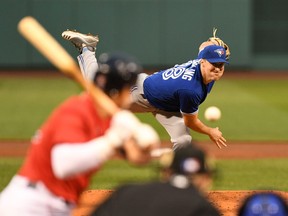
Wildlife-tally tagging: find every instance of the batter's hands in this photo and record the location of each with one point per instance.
(136, 154)
(121, 128)
(146, 136)
(216, 136)
(125, 125)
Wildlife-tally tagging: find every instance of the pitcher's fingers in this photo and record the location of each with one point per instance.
(218, 145)
(223, 142)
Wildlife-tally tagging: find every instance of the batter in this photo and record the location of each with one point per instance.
(73, 144)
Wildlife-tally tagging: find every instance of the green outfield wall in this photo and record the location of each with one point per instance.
(157, 32)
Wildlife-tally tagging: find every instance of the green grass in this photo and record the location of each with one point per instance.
(117, 172)
(252, 174)
(8, 168)
(230, 175)
(26, 103)
(251, 109)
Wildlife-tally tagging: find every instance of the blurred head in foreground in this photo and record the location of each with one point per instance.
(117, 73)
(264, 204)
(187, 165)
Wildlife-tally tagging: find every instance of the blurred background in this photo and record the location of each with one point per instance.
(252, 94)
(158, 32)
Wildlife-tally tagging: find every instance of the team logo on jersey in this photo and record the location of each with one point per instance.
(220, 52)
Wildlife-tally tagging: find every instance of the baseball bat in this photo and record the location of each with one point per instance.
(42, 40)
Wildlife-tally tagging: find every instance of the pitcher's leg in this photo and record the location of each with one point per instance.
(175, 127)
(88, 64)
(86, 46)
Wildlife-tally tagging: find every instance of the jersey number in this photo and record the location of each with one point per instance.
(174, 73)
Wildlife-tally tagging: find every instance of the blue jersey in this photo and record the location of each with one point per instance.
(179, 88)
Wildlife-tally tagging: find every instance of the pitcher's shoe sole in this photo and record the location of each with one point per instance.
(81, 40)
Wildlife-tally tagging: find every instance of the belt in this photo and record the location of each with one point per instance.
(33, 185)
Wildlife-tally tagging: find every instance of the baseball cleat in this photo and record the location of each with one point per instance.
(80, 40)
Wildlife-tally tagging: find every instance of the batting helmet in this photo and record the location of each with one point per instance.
(116, 71)
(266, 203)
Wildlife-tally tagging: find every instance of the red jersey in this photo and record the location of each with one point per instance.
(74, 121)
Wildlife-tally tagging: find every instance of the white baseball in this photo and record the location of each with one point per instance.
(212, 113)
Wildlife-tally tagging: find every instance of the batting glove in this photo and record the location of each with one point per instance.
(123, 125)
(146, 136)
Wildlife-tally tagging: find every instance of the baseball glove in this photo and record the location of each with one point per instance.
(217, 41)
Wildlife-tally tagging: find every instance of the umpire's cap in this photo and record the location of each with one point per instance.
(264, 204)
(189, 159)
(116, 71)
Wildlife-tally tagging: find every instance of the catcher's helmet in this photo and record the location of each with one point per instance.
(116, 71)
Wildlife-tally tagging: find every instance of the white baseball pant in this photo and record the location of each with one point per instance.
(21, 197)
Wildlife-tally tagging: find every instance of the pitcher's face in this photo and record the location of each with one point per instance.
(211, 71)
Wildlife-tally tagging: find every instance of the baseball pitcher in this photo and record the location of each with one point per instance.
(173, 95)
